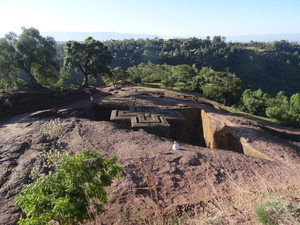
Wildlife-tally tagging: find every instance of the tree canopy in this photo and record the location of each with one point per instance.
(184, 73)
(30, 52)
(116, 75)
(259, 65)
(254, 102)
(90, 57)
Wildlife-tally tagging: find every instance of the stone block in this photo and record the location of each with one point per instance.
(148, 118)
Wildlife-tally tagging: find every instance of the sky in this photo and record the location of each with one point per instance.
(172, 18)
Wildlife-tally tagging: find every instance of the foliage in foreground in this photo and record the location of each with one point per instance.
(66, 195)
(275, 211)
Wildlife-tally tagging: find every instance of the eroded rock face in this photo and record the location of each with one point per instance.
(181, 176)
(219, 136)
(19, 148)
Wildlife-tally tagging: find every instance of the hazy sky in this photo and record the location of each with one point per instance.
(161, 17)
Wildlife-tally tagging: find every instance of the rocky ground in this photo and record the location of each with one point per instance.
(156, 179)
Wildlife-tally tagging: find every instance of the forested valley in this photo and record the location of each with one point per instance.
(256, 77)
(272, 67)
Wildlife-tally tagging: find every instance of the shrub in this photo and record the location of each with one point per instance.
(58, 91)
(275, 212)
(54, 132)
(187, 88)
(71, 194)
(168, 83)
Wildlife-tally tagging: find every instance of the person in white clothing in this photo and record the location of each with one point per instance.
(175, 146)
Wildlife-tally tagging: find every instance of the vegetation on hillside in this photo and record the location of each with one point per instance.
(245, 75)
(272, 67)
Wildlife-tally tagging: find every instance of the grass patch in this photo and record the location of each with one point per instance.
(277, 211)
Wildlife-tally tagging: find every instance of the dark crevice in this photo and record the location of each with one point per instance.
(189, 130)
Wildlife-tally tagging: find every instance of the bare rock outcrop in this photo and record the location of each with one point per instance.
(150, 165)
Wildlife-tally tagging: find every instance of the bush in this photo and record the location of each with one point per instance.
(71, 194)
(187, 88)
(213, 92)
(275, 212)
(168, 83)
(58, 91)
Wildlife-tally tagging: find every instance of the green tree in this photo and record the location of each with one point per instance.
(135, 74)
(278, 107)
(209, 74)
(8, 73)
(294, 110)
(30, 52)
(295, 104)
(64, 76)
(225, 85)
(285, 110)
(168, 82)
(232, 86)
(116, 75)
(65, 195)
(213, 92)
(217, 39)
(184, 73)
(90, 57)
(254, 102)
(197, 83)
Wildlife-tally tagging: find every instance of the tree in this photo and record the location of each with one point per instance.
(184, 73)
(213, 92)
(168, 82)
(65, 195)
(217, 39)
(295, 103)
(278, 107)
(90, 57)
(116, 75)
(232, 86)
(254, 102)
(209, 74)
(225, 85)
(285, 110)
(295, 109)
(135, 74)
(8, 73)
(197, 83)
(30, 52)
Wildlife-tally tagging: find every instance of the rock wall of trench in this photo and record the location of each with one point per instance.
(200, 128)
(219, 136)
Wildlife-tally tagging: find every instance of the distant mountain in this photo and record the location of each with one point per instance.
(104, 36)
